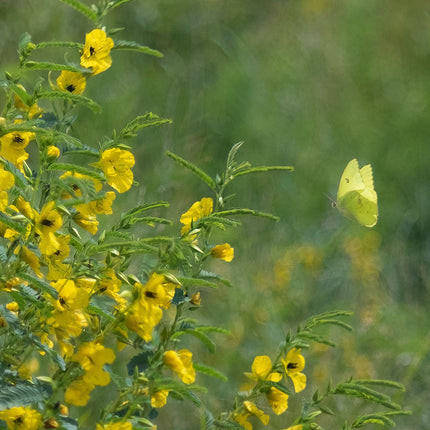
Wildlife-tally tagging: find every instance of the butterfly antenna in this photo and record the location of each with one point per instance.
(333, 202)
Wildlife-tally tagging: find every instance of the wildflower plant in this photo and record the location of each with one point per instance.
(70, 297)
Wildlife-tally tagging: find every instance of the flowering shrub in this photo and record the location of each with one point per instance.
(70, 299)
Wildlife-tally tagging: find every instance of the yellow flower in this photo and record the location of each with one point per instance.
(78, 392)
(159, 399)
(7, 180)
(249, 409)
(180, 362)
(116, 164)
(46, 223)
(96, 51)
(158, 291)
(52, 152)
(63, 249)
(68, 318)
(278, 400)
(198, 210)
(21, 418)
(142, 317)
(12, 147)
(25, 208)
(49, 220)
(100, 206)
(224, 252)
(32, 260)
(87, 222)
(294, 363)
(97, 184)
(262, 370)
(33, 111)
(69, 295)
(72, 82)
(110, 285)
(4, 200)
(92, 356)
(115, 426)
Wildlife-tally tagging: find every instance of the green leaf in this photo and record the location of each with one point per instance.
(150, 220)
(360, 391)
(142, 121)
(21, 93)
(381, 383)
(252, 212)
(207, 370)
(316, 338)
(82, 8)
(45, 65)
(209, 275)
(196, 282)
(216, 220)
(196, 170)
(40, 284)
(5, 219)
(72, 97)
(19, 395)
(24, 40)
(225, 424)
(263, 169)
(59, 44)
(146, 207)
(75, 168)
(95, 310)
(212, 329)
(127, 45)
(325, 410)
(115, 3)
(206, 340)
(374, 418)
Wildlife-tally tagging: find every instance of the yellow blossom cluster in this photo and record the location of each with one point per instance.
(263, 370)
(146, 310)
(92, 356)
(95, 56)
(21, 418)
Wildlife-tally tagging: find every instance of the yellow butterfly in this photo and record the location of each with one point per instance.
(356, 197)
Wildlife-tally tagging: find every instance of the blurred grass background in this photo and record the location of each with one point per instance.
(309, 83)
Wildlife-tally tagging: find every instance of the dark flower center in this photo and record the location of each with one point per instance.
(70, 88)
(150, 295)
(18, 139)
(92, 50)
(47, 222)
(292, 366)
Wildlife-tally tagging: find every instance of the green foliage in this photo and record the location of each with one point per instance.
(99, 302)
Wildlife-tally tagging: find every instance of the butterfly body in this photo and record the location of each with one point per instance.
(356, 196)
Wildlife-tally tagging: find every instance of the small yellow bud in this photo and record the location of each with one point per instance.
(224, 252)
(52, 423)
(53, 152)
(63, 410)
(13, 306)
(195, 299)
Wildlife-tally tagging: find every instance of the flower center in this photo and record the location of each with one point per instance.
(70, 88)
(92, 50)
(150, 294)
(18, 139)
(292, 366)
(47, 222)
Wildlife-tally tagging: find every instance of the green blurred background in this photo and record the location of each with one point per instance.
(309, 83)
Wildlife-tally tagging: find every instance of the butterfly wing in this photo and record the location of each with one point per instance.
(356, 197)
(351, 180)
(361, 206)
